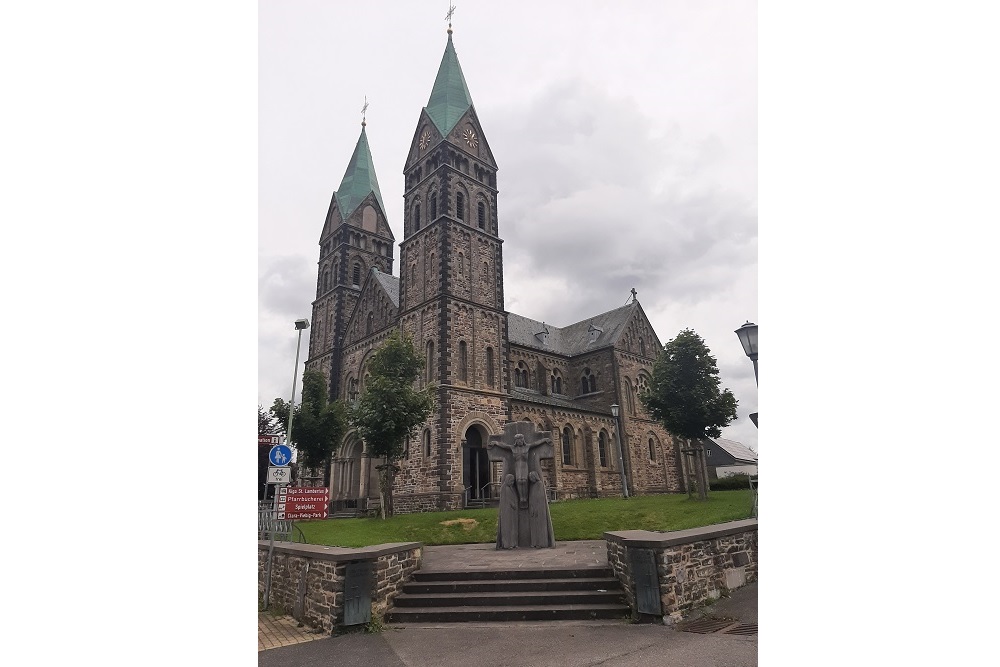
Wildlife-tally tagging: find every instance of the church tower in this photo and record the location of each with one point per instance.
(355, 239)
(451, 282)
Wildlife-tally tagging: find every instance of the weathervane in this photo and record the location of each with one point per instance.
(364, 110)
(451, 10)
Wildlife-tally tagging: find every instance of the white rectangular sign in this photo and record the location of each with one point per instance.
(279, 475)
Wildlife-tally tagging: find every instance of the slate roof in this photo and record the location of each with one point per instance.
(450, 97)
(586, 335)
(737, 450)
(359, 179)
(390, 284)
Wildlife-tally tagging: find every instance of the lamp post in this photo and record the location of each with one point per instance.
(748, 337)
(300, 325)
(618, 438)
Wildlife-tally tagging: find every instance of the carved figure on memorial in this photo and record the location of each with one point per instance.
(539, 520)
(507, 518)
(520, 448)
(524, 518)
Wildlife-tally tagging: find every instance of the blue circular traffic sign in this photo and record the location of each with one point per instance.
(280, 455)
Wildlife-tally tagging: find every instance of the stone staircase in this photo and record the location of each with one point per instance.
(549, 594)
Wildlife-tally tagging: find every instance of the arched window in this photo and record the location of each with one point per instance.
(352, 389)
(555, 381)
(521, 375)
(369, 323)
(460, 206)
(427, 443)
(567, 446)
(652, 450)
(461, 265)
(593, 383)
(630, 399)
(482, 215)
(490, 374)
(326, 280)
(356, 276)
(413, 274)
(416, 217)
(463, 362)
(434, 206)
(642, 347)
(602, 449)
(588, 383)
(430, 361)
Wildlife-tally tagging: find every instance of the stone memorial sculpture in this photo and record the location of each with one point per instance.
(523, 519)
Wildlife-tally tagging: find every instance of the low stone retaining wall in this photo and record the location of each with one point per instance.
(308, 579)
(688, 568)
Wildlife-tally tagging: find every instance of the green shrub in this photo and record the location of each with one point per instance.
(731, 483)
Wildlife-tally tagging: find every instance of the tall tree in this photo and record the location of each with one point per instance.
(318, 425)
(266, 425)
(390, 408)
(684, 396)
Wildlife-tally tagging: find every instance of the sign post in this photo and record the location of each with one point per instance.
(280, 457)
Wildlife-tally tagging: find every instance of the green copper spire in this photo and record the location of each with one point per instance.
(359, 179)
(450, 97)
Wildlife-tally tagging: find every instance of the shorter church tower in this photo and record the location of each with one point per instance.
(355, 239)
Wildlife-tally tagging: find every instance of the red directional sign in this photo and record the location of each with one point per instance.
(268, 439)
(303, 502)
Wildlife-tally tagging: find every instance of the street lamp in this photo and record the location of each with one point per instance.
(748, 337)
(300, 325)
(618, 438)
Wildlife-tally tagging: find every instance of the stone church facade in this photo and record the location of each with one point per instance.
(489, 366)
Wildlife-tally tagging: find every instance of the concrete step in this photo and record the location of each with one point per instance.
(537, 573)
(538, 594)
(464, 614)
(513, 585)
(509, 599)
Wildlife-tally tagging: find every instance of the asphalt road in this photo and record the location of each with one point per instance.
(551, 644)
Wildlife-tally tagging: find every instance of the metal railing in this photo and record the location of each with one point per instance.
(284, 530)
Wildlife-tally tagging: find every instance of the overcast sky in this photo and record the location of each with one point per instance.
(625, 134)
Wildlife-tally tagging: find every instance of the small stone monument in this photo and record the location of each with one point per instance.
(523, 520)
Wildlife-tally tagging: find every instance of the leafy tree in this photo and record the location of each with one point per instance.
(390, 408)
(318, 424)
(684, 396)
(266, 425)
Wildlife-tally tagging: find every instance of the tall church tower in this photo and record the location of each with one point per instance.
(451, 281)
(355, 239)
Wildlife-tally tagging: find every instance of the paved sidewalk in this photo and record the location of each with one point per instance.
(273, 632)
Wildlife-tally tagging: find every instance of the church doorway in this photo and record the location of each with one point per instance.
(347, 476)
(475, 465)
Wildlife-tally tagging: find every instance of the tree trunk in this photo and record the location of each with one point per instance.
(385, 479)
(702, 473)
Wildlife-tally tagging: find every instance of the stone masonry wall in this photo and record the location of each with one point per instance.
(308, 579)
(693, 567)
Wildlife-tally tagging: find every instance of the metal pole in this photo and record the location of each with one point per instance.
(277, 490)
(621, 461)
(754, 360)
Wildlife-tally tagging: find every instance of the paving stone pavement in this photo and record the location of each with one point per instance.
(274, 631)
(582, 553)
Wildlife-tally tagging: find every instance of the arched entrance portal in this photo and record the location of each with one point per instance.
(475, 464)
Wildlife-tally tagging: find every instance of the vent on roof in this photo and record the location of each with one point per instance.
(595, 332)
(543, 335)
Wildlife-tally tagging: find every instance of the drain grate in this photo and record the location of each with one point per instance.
(706, 626)
(725, 626)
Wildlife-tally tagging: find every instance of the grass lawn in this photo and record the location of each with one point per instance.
(571, 520)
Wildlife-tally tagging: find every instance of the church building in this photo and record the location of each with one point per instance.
(489, 366)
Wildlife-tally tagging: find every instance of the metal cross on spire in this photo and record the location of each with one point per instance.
(451, 10)
(634, 296)
(364, 111)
